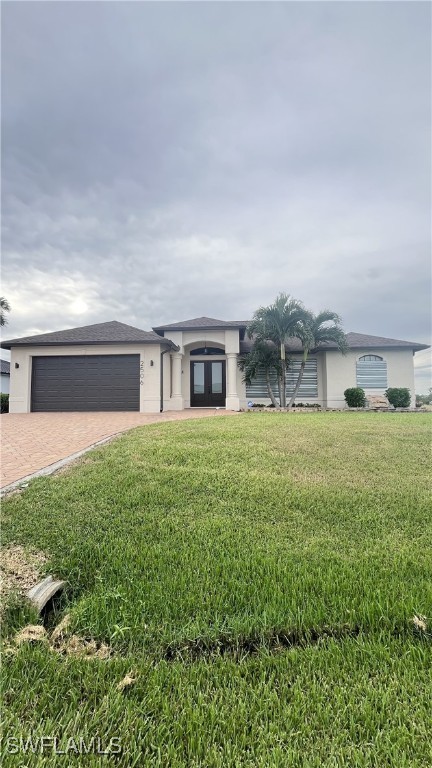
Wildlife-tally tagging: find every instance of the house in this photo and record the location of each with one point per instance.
(192, 364)
(4, 376)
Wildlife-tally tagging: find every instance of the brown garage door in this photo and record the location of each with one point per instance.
(85, 383)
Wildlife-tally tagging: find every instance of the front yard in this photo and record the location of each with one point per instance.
(256, 576)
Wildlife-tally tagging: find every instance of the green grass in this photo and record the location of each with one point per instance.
(259, 574)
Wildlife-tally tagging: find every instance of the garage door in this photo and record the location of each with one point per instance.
(85, 383)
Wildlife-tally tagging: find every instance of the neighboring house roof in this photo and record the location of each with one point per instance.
(5, 367)
(112, 332)
(355, 341)
(201, 323)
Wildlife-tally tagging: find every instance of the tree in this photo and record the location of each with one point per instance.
(279, 322)
(4, 307)
(314, 332)
(261, 357)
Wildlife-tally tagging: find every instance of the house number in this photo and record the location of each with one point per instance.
(141, 373)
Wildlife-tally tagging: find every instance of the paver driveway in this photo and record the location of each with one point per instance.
(32, 441)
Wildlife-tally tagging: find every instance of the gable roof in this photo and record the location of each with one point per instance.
(112, 332)
(201, 323)
(355, 341)
(5, 367)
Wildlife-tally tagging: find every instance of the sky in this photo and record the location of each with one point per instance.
(162, 161)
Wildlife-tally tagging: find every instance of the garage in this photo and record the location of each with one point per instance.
(85, 383)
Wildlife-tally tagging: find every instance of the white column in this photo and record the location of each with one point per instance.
(232, 398)
(177, 391)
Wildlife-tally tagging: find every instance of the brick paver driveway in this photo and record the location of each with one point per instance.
(32, 441)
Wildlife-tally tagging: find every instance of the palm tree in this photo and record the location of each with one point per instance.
(264, 357)
(314, 332)
(279, 322)
(4, 307)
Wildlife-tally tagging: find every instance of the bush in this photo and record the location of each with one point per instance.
(424, 399)
(355, 397)
(4, 402)
(399, 397)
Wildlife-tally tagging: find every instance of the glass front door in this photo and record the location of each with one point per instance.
(208, 384)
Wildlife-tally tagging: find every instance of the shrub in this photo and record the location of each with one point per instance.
(355, 397)
(424, 399)
(399, 397)
(4, 403)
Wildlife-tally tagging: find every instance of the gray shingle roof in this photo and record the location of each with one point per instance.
(119, 333)
(359, 340)
(112, 332)
(5, 367)
(355, 341)
(203, 323)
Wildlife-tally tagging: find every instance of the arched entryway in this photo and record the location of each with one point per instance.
(207, 376)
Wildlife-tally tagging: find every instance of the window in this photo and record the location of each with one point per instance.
(370, 357)
(208, 351)
(308, 386)
(371, 372)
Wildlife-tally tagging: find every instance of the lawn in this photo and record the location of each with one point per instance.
(257, 576)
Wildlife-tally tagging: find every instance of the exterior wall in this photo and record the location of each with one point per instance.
(4, 384)
(341, 373)
(335, 371)
(20, 384)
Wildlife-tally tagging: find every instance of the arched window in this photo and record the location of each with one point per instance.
(208, 351)
(371, 372)
(371, 357)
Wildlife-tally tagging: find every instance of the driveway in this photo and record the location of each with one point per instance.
(33, 441)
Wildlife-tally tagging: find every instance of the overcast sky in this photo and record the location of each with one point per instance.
(163, 161)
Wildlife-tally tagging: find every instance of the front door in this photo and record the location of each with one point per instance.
(208, 384)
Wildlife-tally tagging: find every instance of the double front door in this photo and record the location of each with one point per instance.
(208, 384)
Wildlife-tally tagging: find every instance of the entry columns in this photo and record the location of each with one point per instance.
(177, 390)
(232, 398)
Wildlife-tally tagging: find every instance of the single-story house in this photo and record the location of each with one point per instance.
(192, 364)
(4, 376)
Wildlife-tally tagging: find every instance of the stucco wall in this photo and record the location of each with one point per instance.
(341, 373)
(20, 384)
(335, 372)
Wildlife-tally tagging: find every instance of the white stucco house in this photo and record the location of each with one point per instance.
(4, 376)
(113, 367)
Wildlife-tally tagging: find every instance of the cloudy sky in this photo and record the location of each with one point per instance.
(162, 161)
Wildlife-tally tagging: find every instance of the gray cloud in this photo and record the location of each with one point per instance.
(167, 160)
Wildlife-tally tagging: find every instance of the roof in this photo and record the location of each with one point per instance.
(201, 323)
(355, 341)
(5, 367)
(112, 332)
(360, 340)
